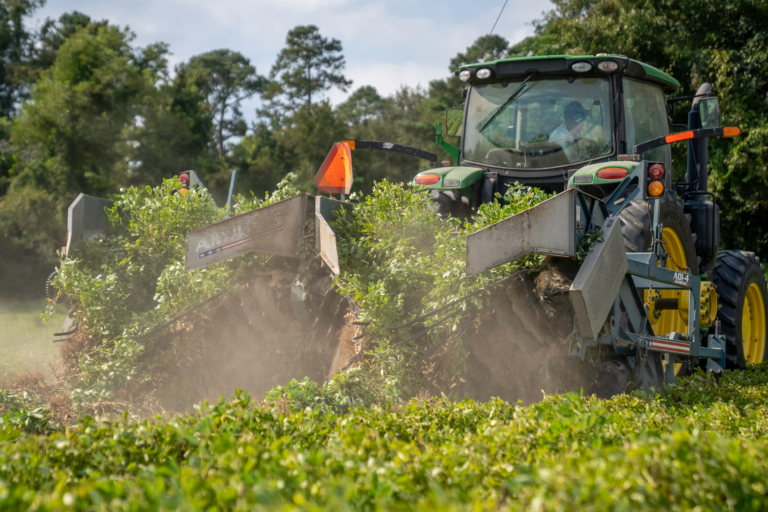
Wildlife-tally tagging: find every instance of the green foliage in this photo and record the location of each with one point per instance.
(400, 260)
(347, 390)
(32, 229)
(80, 109)
(588, 243)
(696, 445)
(226, 78)
(16, 47)
(132, 280)
(308, 65)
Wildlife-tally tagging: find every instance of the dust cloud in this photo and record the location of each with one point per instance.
(247, 340)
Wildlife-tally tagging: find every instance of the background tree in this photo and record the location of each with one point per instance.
(16, 45)
(308, 65)
(90, 115)
(52, 36)
(79, 113)
(447, 93)
(724, 43)
(363, 106)
(484, 49)
(226, 78)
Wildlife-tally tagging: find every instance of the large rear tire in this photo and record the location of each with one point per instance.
(741, 293)
(616, 376)
(681, 246)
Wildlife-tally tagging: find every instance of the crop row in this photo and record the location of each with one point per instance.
(698, 444)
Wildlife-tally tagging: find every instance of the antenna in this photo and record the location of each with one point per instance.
(482, 53)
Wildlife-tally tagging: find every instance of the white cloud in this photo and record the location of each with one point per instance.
(386, 43)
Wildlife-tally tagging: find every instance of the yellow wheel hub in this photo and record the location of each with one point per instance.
(753, 325)
(667, 321)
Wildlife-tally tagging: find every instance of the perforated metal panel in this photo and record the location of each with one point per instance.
(599, 279)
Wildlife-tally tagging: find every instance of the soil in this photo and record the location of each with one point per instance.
(249, 340)
(520, 345)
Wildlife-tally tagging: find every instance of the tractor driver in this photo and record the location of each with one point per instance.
(568, 134)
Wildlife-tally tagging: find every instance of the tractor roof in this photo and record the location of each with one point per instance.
(521, 67)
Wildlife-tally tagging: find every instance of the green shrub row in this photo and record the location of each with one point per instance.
(696, 445)
(399, 260)
(133, 279)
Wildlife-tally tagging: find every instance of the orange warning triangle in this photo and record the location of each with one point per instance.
(335, 175)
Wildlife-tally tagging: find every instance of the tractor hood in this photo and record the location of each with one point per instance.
(455, 178)
(587, 175)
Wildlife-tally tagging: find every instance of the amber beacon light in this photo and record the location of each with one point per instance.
(655, 179)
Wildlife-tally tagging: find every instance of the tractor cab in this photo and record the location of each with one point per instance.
(538, 120)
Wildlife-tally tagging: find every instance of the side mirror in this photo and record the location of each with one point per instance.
(709, 109)
(454, 117)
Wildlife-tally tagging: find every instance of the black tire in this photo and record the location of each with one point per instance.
(734, 272)
(636, 220)
(636, 225)
(616, 376)
(449, 203)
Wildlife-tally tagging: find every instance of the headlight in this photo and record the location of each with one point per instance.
(484, 73)
(607, 66)
(464, 75)
(581, 67)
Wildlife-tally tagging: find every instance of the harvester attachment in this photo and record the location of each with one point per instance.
(277, 229)
(547, 229)
(274, 229)
(86, 219)
(582, 237)
(554, 228)
(599, 280)
(325, 238)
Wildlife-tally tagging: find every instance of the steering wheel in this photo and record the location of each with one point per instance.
(590, 146)
(500, 154)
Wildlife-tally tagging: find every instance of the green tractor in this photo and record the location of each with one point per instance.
(632, 258)
(600, 125)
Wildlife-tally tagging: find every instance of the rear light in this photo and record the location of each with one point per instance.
(184, 179)
(427, 179)
(612, 173)
(656, 172)
(655, 188)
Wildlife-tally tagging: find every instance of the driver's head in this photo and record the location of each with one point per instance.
(574, 115)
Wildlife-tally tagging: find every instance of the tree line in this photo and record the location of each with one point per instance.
(85, 109)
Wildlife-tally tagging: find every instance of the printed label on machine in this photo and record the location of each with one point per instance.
(681, 278)
(236, 243)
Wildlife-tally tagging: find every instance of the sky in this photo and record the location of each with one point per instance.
(387, 43)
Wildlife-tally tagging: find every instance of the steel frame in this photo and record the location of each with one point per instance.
(646, 270)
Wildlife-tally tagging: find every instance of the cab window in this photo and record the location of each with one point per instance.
(646, 119)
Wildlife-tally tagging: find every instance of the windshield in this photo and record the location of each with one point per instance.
(547, 123)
